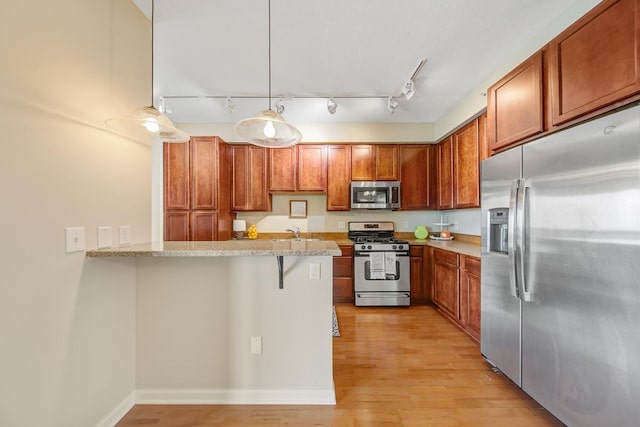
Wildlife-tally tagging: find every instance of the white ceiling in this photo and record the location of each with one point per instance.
(334, 48)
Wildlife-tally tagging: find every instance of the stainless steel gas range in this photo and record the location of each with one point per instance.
(381, 265)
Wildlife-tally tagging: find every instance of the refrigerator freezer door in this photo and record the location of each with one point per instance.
(581, 346)
(500, 319)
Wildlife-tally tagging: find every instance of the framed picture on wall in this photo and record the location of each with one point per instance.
(297, 208)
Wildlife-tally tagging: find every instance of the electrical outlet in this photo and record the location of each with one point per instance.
(256, 345)
(314, 270)
(456, 224)
(104, 237)
(341, 225)
(406, 225)
(74, 239)
(125, 234)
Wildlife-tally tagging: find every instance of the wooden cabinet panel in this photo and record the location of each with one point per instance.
(312, 168)
(470, 296)
(386, 163)
(203, 173)
(282, 169)
(445, 174)
(514, 104)
(417, 280)
(176, 225)
(203, 225)
(596, 61)
(417, 175)
(446, 288)
(343, 275)
(363, 164)
(338, 177)
(249, 190)
(176, 176)
(466, 167)
(483, 140)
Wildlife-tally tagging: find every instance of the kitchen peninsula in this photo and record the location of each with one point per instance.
(213, 326)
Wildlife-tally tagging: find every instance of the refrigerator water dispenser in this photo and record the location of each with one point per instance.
(498, 230)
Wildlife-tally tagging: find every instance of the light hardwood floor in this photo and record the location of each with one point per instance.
(392, 367)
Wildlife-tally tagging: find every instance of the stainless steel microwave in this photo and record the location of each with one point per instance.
(375, 195)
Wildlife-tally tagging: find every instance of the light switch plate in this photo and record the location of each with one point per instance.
(105, 237)
(74, 239)
(256, 345)
(314, 270)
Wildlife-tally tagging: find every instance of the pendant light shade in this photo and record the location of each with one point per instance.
(147, 122)
(268, 128)
(144, 122)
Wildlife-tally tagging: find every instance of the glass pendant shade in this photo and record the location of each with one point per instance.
(268, 129)
(147, 122)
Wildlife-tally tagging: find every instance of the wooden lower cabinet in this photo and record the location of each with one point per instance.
(420, 284)
(470, 295)
(456, 289)
(343, 275)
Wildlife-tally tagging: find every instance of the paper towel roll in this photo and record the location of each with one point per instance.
(239, 225)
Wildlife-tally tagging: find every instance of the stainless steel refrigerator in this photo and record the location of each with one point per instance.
(560, 291)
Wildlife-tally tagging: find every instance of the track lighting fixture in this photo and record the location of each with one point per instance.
(332, 105)
(229, 105)
(280, 105)
(392, 104)
(408, 91)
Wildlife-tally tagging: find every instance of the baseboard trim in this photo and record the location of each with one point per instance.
(234, 397)
(118, 412)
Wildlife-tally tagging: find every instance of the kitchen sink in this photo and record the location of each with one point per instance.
(296, 239)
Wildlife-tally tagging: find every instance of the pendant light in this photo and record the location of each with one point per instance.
(268, 128)
(145, 122)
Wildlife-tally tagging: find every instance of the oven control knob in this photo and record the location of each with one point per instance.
(363, 247)
(400, 247)
(369, 247)
(395, 247)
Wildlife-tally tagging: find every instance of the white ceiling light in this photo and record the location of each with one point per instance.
(332, 105)
(229, 105)
(280, 105)
(145, 122)
(409, 87)
(392, 104)
(268, 128)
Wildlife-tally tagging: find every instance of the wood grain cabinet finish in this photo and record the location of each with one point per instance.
(418, 165)
(445, 173)
(446, 285)
(197, 178)
(343, 275)
(374, 162)
(282, 169)
(466, 166)
(338, 177)
(249, 189)
(311, 168)
(515, 104)
(419, 293)
(596, 61)
(470, 295)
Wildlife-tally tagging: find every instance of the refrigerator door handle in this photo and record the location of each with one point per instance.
(511, 240)
(521, 254)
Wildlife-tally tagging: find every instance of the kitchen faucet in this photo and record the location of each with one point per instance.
(296, 232)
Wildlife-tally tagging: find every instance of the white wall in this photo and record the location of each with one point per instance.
(67, 324)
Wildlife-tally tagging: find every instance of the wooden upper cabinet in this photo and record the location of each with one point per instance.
(282, 169)
(515, 104)
(176, 176)
(483, 141)
(204, 174)
(312, 168)
(386, 163)
(363, 165)
(249, 190)
(203, 225)
(375, 162)
(417, 176)
(338, 177)
(466, 166)
(596, 61)
(445, 174)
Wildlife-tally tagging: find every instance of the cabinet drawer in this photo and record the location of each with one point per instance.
(472, 265)
(446, 257)
(346, 250)
(342, 267)
(415, 251)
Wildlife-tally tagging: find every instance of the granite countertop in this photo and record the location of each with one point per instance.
(459, 246)
(290, 247)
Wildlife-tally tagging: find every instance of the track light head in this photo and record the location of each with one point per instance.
(409, 90)
(332, 105)
(229, 105)
(280, 105)
(392, 104)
